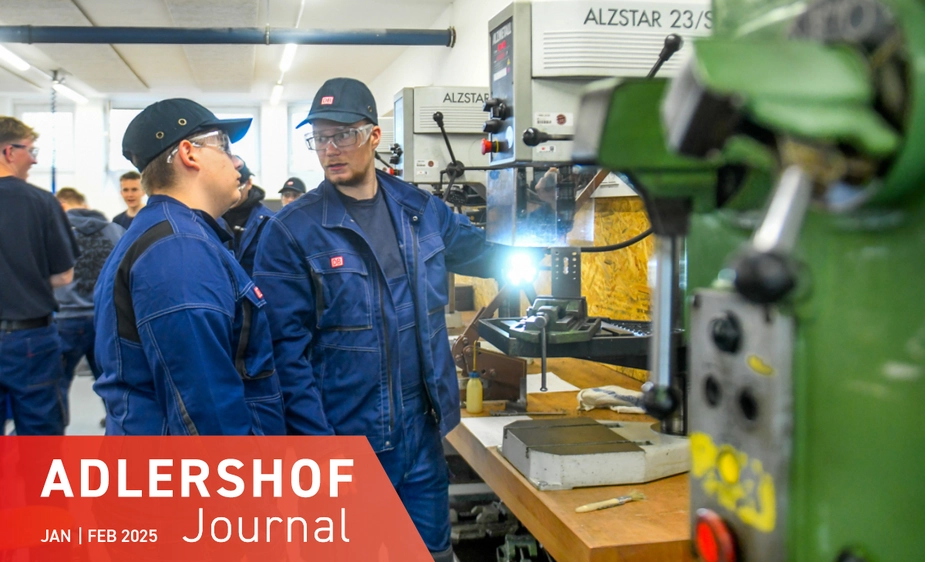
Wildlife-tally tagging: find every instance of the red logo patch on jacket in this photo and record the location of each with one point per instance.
(337, 261)
(327, 100)
(257, 292)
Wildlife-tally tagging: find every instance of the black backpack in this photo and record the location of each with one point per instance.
(94, 249)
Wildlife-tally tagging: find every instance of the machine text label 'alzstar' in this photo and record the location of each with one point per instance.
(675, 19)
(464, 97)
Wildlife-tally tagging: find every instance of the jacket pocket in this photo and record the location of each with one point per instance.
(342, 291)
(435, 285)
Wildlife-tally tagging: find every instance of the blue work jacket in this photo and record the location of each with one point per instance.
(246, 248)
(244, 244)
(335, 331)
(181, 335)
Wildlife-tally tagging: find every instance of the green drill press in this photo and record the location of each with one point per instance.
(784, 167)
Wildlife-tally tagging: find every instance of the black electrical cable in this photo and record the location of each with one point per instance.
(618, 246)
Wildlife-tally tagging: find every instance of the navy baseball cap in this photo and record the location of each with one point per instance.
(343, 100)
(163, 124)
(293, 184)
(243, 170)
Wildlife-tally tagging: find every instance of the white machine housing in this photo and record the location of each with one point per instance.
(543, 52)
(424, 153)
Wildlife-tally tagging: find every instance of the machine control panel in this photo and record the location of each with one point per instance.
(500, 123)
(741, 419)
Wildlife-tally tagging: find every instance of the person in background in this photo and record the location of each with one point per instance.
(245, 220)
(355, 276)
(132, 194)
(181, 333)
(97, 237)
(292, 190)
(37, 254)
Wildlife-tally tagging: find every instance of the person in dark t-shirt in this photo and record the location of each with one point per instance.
(37, 253)
(133, 195)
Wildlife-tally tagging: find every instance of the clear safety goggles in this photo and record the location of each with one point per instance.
(214, 139)
(343, 138)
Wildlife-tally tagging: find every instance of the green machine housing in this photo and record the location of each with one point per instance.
(789, 157)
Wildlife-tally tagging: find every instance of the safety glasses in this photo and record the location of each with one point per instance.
(213, 139)
(344, 138)
(32, 150)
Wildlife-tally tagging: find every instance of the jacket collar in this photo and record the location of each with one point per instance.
(223, 235)
(395, 190)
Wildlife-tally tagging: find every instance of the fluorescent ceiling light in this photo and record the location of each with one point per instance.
(285, 63)
(68, 93)
(13, 59)
(276, 94)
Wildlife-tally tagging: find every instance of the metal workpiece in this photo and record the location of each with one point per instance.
(564, 453)
(741, 419)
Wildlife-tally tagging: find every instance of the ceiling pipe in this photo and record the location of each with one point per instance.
(224, 36)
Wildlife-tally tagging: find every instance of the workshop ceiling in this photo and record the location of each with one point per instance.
(132, 74)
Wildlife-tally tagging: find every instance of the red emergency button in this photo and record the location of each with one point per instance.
(490, 146)
(713, 539)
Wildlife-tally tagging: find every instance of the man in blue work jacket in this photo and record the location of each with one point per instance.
(182, 338)
(245, 220)
(355, 276)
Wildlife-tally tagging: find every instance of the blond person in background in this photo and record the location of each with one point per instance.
(37, 253)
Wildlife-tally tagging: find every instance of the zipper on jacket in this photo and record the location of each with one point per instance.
(388, 363)
(414, 281)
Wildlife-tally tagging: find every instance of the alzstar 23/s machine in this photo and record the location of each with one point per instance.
(438, 141)
(793, 182)
(542, 54)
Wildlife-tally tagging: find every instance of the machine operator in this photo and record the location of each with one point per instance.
(355, 274)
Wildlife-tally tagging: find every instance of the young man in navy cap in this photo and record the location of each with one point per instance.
(292, 190)
(245, 220)
(182, 338)
(355, 274)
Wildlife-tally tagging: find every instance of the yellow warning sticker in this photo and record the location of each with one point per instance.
(759, 365)
(737, 482)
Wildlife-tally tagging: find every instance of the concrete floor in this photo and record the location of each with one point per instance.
(86, 407)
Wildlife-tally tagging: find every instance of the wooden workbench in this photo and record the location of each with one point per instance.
(653, 530)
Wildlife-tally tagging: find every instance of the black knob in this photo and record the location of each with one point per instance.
(673, 44)
(496, 108)
(764, 278)
(493, 126)
(490, 104)
(849, 556)
(727, 333)
(534, 137)
(396, 154)
(659, 401)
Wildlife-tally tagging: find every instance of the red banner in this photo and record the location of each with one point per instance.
(228, 499)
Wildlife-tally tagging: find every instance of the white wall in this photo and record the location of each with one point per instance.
(466, 64)
(274, 148)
